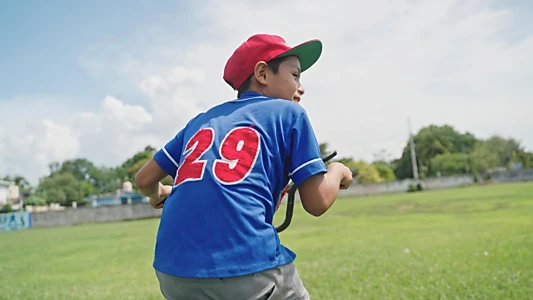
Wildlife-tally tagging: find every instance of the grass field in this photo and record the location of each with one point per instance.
(465, 243)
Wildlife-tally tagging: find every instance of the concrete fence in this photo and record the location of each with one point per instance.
(136, 211)
(83, 215)
(435, 183)
(401, 186)
(512, 175)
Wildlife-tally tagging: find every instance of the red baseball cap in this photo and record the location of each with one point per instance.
(265, 47)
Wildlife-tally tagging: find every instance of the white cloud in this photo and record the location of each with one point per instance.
(28, 150)
(437, 62)
(107, 136)
(173, 97)
(112, 133)
(53, 142)
(434, 61)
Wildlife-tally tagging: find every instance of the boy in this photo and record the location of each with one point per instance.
(230, 166)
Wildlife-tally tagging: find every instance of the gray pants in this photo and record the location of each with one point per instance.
(281, 283)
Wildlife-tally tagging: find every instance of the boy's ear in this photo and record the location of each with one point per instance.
(260, 72)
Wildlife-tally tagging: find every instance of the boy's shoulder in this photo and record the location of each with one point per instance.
(286, 111)
(289, 111)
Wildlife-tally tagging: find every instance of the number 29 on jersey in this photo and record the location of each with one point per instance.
(238, 153)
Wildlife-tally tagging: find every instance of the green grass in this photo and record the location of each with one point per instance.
(465, 243)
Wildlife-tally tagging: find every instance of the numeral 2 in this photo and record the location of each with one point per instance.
(238, 151)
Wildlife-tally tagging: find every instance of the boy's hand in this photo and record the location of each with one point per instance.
(347, 178)
(164, 192)
(318, 192)
(344, 172)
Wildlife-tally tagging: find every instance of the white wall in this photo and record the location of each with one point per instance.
(401, 186)
(13, 191)
(3, 195)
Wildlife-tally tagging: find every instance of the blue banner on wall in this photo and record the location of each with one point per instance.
(15, 221)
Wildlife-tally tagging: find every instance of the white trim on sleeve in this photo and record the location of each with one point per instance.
(303, 165)
(170, 157)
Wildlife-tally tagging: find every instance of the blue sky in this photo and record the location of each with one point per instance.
(44, 40)
(102, 79)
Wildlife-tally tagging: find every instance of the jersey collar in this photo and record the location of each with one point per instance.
(249, 96)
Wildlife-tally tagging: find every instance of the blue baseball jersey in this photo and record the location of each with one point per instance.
(230, 166)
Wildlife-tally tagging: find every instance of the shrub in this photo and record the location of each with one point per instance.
(415, 188)
(6, 208)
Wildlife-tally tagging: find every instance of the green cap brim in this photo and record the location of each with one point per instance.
(308, 53)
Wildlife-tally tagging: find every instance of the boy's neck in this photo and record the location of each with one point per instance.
(253, 90)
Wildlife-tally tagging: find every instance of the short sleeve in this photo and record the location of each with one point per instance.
(169, 156)
(304, 158)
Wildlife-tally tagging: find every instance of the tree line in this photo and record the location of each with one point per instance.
(443, 151)
(75, 179)
(440, 150)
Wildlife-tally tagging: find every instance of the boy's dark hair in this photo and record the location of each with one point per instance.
(272, 64)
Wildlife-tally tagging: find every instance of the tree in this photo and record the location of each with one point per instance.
(344, 160)
(81, 168)
(448, 164)
(62, 188)
(385, 172)
(55, 195)
(92, 178)
(35, 199)
(483, 159)
(505, 150)
(324, 149)
(366, 173)
(443, 149)
(132, 165)
(86, 188)
(527, 159)
(21, 182)
(54, 167)
(429, 142)
(402, 167)
(75, 179)
(129, 169)
(106, 179)
(6, 208)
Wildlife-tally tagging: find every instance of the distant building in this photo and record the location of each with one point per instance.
(120, 197)
(9, 194)
(4, 188)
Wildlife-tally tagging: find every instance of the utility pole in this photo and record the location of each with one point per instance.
(413, 152)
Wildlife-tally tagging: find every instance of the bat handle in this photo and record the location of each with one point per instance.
(290, 201)
(330, 156)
